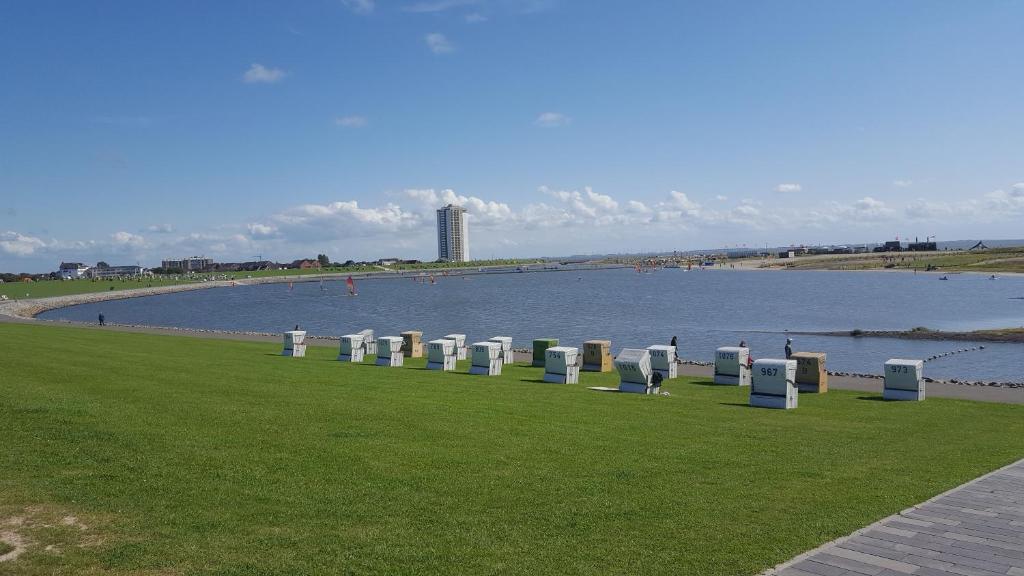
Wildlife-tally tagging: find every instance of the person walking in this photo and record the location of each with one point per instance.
(789, 348)
(103, 319)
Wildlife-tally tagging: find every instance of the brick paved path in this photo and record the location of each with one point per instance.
(974, 530)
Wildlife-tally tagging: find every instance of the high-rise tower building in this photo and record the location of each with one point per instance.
(452, 234)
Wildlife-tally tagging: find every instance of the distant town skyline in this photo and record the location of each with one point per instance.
(133, 133)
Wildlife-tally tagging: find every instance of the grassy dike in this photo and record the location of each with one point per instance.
(48, 288)
(142, 454)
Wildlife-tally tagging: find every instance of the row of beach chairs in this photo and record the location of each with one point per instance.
(774, 383)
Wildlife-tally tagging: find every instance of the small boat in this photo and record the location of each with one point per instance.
(943, 277)
(993, 277)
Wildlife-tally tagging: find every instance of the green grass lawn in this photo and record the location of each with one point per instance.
(130, 453)
(47, 288)
(984, 261)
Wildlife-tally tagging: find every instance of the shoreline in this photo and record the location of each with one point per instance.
(26, 311)
(982, 391)
(29, 308)
(1000, 335)
(848, 380)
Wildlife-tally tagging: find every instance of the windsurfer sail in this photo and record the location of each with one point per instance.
(351, 286)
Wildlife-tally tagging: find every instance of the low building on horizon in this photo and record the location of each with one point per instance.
(72, 270)
(190, 264)
(108, 272)
(305, 264)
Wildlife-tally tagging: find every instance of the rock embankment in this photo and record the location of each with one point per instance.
(29, 308)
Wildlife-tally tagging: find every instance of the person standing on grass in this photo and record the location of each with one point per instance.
(789, 348)
(103, 319)
(750, 358)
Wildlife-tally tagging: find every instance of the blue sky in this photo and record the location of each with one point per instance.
(134, 131)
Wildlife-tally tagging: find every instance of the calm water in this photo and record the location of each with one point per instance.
(704, 309)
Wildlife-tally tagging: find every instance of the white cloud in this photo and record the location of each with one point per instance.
(1007, 201)
(571, 220)
(160, 228)
(350, 121)
(866, 211)
(260, 74)
(901, 183)
(481, 212)
(127, 240)
(680, 200)
(721, 198)
(552, 120)
(18, 244)
(747, 210)
(869, 207)
(336, 220)
(475, 18)
(228, 245)
(922, 209)
(359, 6)
(438, 43)
(786, 188)
(257, 230)
(637, 207)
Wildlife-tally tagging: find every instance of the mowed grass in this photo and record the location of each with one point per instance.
(47, 288)
(986, 261)
(174, 455)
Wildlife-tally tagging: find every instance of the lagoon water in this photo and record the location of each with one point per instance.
(705, 309)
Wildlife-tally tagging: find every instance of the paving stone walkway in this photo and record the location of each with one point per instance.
(974, 530)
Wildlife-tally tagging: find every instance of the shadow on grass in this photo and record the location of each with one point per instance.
(736, 404)
(534, 380)
(470, 374)
(872, 398)
(712, 383)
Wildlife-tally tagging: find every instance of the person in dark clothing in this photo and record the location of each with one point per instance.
(103, 319)
(789, 348)
(750, 359)
(676, 346)
(656, 380)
